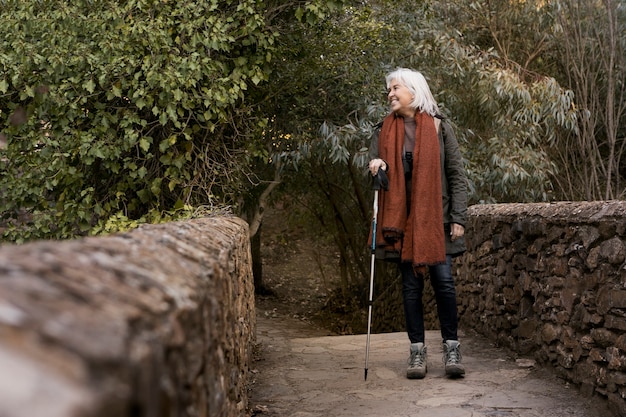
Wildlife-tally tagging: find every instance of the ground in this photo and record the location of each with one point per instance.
(300, 276)
(302, 279)
(299, 282)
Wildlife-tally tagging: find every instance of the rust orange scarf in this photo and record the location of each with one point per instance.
(417, 236)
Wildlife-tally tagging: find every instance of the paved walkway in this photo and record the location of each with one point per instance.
(303, 372)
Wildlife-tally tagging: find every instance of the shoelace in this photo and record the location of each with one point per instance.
(453, 355)
(415, 359)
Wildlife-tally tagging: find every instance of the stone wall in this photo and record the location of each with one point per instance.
(549, 281)
(155, 322)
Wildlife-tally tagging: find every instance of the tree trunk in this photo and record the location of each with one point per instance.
(257, 262)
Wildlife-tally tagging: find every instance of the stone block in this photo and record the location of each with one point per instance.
(593, 259)
(501, 267)
(553, 234)
(593, 319)
(565, 358)
(569, 296)
(557, 266)
(588, 234)
(526, 281)
(484, 249)
(616, 359)
(537, 246)
(621, 342)
(609, 298)
(603, 337)
(497, 241)
(615, 322)
(507, 254)
(570, 233)
(617, 379)
(533, 227)
(618, 298)
(550, 333)
(511, 297)
(527, 329)
(578, 352)
(609, 228)
(558, 250)
(562, 317)
(587, 342)
(586, 371)
(613, 250)
(555, 283)
(526, 346)
(523, 262)
(597, 355)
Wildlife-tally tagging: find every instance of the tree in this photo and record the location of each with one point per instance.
(581, 45)
(593, 48)
(328, 74)
(130, 111)
(504, 118)
(520, 32)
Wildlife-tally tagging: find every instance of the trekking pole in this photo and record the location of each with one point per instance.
(380, 180)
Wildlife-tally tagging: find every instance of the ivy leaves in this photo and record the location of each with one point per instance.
(125, 105)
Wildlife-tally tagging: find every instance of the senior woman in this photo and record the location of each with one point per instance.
(422, 216)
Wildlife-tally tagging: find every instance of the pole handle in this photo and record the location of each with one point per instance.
(381, 180)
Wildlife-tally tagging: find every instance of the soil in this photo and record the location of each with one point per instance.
(300, 291)
(300, 278)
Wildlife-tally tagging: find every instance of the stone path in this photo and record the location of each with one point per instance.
(303, 372)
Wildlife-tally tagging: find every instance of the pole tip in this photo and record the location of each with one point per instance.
(366, 374)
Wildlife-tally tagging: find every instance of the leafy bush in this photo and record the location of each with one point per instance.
(134, 107)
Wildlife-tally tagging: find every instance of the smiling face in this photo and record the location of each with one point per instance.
(400, 99)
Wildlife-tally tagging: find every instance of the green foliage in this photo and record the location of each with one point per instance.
(125, 107)
(520, 32)
(116, 112)
(505, 124)
(505, 115)
(119, 222)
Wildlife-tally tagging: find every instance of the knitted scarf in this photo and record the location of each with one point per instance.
(419, 235)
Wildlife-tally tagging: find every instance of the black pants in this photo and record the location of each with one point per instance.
(445, 296)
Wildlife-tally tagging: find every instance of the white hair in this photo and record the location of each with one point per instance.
(416, 83)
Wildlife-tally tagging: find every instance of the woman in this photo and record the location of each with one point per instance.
(423, 214)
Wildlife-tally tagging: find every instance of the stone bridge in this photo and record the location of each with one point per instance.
(160, 321)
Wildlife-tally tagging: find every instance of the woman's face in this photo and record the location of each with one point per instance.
(400, 99)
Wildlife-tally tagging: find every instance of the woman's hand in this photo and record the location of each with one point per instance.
(376, 164)
(456, 231)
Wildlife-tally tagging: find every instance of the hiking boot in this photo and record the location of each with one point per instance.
(452, 358)
(417, 362)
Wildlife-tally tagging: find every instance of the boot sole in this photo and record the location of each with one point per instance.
(416, 374)
(455, 371)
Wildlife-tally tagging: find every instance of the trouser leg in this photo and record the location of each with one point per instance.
(412, 289)
(445, 296)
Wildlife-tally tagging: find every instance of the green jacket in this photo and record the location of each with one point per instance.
(453, 183)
